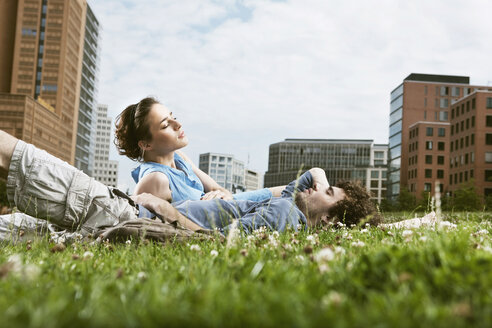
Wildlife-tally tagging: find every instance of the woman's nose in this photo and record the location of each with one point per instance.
(177, 125)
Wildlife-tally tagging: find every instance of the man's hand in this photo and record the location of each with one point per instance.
(165, 210)
(217, 194)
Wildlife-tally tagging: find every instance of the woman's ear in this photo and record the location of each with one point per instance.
(143, 145)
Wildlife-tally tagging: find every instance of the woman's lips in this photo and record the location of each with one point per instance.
(181, 135)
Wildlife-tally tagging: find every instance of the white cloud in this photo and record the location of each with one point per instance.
(242, 75)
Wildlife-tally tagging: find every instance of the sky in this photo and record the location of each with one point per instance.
(242, 75)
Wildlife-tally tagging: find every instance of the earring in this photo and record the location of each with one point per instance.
(143, 154)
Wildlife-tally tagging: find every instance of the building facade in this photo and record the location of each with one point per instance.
(252, 180)
(420, 129)
(105, 170)
(86, 126)
(360, 160)
(40, 71)
(227, 171)
(471, 143)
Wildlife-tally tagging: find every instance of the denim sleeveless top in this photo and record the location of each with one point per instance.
(183, 182)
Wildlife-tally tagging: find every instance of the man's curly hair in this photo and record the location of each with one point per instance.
(356, 207)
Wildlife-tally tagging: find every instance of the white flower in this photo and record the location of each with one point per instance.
(323, 268)
(482, 232)
(324, 255)
(88, 255)
(447, 224)
(339, 250)
(368, 225)
(129, 242)
(300, 258)
(275, 234)
(15, 263)
(195, 247)
(358, 243)
(141, 275)
(407, 233)
(391, 233)
(364, 230)
(310, 238)
(214, 253)
(487, 249)
(287, 247)
(423, 238)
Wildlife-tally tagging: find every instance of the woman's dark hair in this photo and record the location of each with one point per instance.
(132, 126)
(356, 207)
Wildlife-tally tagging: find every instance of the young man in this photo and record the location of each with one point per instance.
(45, 187)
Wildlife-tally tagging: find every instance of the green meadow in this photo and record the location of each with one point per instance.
(433, 276)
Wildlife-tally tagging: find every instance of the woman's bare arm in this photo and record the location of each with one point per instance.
(155, 183)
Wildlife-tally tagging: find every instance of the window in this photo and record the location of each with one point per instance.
(466, 141)
(428, 159)
(452, 129)
(428, 144)
(444, 91)
(440, 174)
(488, 157)
(427, 187)
(429, 132)
(489, 102)
(443, 115)
(473, 103)
(488, 121)
(374, 183)
(441, 132)
(440, 145)
(488, 175)
(440, 160)
(472, 139)
(428, 173)
(456, 92)
(374, 174)
(488, 139)
(473, 121)
(444, 103)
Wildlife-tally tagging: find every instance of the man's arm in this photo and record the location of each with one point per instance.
(319, 176)
(165, 210)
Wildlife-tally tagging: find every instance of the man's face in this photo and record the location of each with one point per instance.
(318, 201)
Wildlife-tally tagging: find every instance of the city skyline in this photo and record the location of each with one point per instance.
(243, 75)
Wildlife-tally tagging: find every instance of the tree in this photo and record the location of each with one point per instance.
(406, 200)
(466, 198)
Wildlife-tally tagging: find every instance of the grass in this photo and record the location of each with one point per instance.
(373, 277)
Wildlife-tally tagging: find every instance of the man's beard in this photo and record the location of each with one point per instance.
(301, 203)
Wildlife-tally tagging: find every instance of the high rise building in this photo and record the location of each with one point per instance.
(419, 130)
(84, 152)
(41, 55)
(105, 170)
(341, 159)
(227, 171)
(471, 143)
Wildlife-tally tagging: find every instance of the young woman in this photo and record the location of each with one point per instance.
(148, 132)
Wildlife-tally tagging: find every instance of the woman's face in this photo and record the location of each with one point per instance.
(167, 133)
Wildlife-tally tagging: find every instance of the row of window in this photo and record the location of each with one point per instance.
(461, 177)
(429, 145)
(462, 159)
(413, 174)
(441, 132)
(463, 142)
(456, 110)
(465, 125)
(428, 160)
